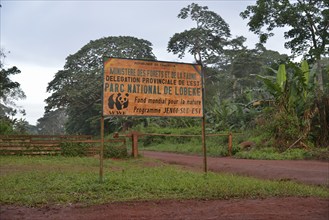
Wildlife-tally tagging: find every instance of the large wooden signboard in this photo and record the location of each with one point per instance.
(151, 88)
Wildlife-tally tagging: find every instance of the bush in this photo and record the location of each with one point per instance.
(111, 151)
(318, 154)
(278, 129)
(81, 149)
(270, 153)
(6, 127)
(73, 149)
(155, 140)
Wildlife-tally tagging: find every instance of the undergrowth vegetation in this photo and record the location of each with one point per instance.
(216, 146)
(261, 139)
(33, 181)
(271, 153)
(111, 150)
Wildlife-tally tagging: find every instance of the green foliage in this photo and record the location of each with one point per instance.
(270, 153)
(58, 180)
(13, 126)
(111, 150)
(281, 76)
(234, 97)
(254, 61)
(220, 115)
(208, 41)
(21, 126)
(307, 23)
(6, 127)
(10, 91)
(293, 92)
(317, 154)
(52, 123)
(77, 88)
(8, 88)
(228, 116)
(70, 149)
(115, 151)
(285, 129)
(152, 123)
(155, 140)
(216, 146)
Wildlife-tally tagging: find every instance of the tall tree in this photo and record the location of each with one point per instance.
(308, 35)
(209, 41)
(307, 21)
(247, 63)
(10, 92)
(52, 123)
(77, 88)
(234, 94)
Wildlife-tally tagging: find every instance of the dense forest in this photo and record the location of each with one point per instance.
(258, 91)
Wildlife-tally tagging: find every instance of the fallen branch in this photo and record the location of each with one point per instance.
(294, 143)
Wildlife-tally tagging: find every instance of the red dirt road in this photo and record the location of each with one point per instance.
(292, 208)
(272, 208)
(309, 172)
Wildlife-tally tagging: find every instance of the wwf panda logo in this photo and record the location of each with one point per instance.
(119, 102)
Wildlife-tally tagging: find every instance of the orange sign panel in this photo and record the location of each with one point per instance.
(150, 88)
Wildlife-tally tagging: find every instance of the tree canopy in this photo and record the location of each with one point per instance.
(235, 98)
(208, 41)
(77, 88)
(10, 92)
(52, 123)
(307, 21)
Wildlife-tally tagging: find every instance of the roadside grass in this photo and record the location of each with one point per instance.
(220, 149)
(34, 181)
(270, 153)
(216, 146)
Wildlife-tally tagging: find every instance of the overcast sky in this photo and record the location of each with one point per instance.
(41, 34)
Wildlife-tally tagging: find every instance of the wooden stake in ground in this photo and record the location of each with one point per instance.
(101, 153)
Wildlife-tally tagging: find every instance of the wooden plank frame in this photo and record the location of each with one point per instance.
(47, 144)
(151, 88)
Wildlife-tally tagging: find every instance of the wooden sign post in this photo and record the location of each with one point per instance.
(101, 153)
(153, 88)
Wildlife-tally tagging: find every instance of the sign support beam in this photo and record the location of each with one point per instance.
(204, 148)
(101, 153)
(148, 88)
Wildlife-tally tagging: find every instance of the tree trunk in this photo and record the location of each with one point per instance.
(319, 76)
(323, 106)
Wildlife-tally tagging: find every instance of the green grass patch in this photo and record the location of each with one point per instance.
(216, 146)
(111, 150)
(33, 181)
(270, 153)
(189, 148)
